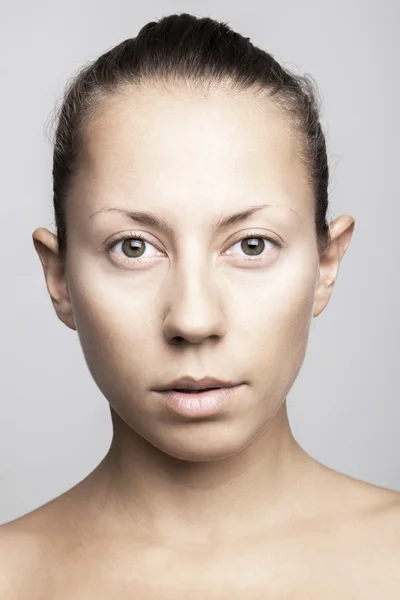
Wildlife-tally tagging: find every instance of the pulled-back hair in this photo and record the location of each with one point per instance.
(203, 53)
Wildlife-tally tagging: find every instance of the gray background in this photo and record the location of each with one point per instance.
(344, 407)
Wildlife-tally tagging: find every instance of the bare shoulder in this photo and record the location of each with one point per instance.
(352, 540)
(378, 537)
(373, 500)
(384, 521)
(29, 547)
(366, 504)
(368, 520)
(19, 558)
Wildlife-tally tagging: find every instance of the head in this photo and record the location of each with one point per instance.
(157, 143)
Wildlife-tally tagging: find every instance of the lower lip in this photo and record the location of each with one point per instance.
(201, 404)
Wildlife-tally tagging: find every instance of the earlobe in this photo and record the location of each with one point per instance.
(341, 231)
(46, 246)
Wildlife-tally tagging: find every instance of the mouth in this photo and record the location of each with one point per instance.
(191, 385)
(195, 391)
(199, 403)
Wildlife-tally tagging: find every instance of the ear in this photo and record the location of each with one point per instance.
(46, 246)
(341, 231)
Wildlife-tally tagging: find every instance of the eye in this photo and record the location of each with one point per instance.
(253, 246)
(132, 246)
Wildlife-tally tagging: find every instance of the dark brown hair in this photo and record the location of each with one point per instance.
(201, 52)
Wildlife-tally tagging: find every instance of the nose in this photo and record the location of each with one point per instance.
(195, 310)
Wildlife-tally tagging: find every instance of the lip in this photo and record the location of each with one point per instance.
(200, 404)
(191, 383)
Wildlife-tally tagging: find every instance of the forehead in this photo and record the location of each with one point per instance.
(167, 145)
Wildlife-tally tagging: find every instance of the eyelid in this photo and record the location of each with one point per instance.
(108, 243)
(275, 238)
(126, 235)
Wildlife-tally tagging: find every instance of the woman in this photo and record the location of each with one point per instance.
(191, 253)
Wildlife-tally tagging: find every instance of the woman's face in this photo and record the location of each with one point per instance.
(192, 298)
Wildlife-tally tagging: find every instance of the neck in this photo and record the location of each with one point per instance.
(139, 488)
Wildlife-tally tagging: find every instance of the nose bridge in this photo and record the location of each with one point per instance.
(195, 309)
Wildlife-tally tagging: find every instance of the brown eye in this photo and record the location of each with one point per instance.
(254, 246)
(133, 247)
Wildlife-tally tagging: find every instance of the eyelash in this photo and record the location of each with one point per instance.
(139, 236)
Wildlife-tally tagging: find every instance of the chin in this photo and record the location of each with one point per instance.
(206, 441)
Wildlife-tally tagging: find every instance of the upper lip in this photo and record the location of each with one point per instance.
(190, 383)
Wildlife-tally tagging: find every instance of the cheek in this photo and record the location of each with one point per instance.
(116, 331)
(274, 326)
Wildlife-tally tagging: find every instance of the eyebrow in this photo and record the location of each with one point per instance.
(146, 218)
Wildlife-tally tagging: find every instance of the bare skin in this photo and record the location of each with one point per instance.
(346, 546)
(228, 506)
